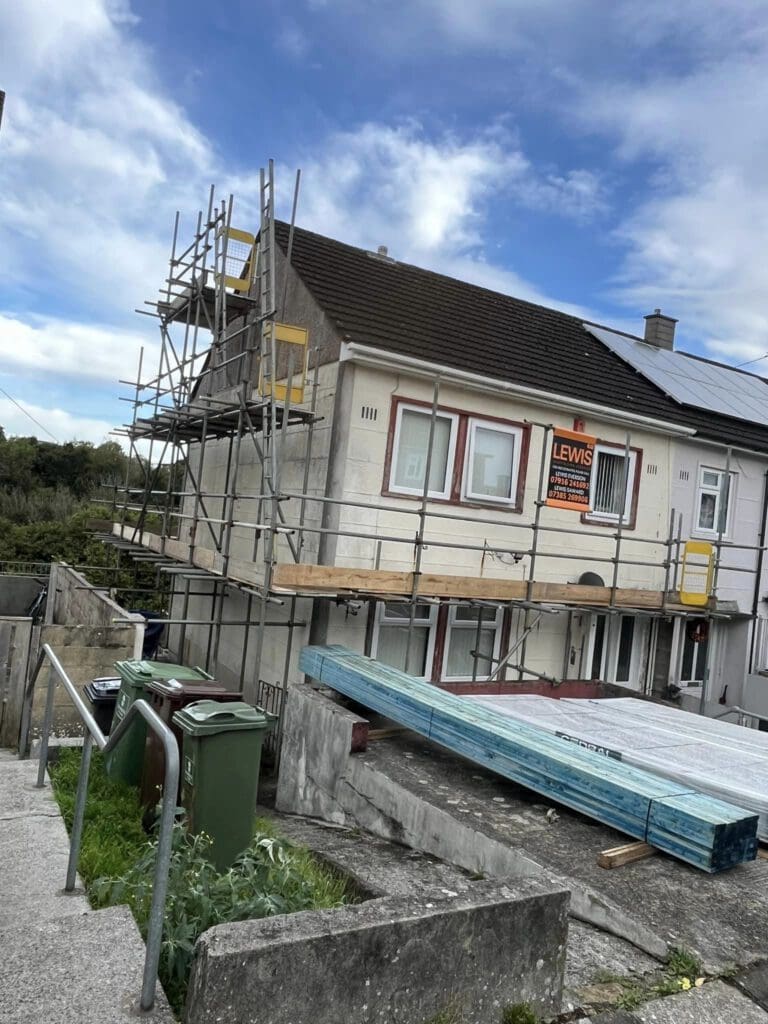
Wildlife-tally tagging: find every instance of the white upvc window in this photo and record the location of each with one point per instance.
(713, 501)
(411, 447)
(390, 639)
(461, 640)
(492, 462)
(611, 485)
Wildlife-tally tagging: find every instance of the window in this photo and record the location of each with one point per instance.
(713, 501)
(462, 639)
(491, 463)
(474, 459)
(612, 484)
(390, 643)
(411, 446)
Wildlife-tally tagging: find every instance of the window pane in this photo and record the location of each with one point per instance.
(393, 644)
(710, 479)
(597, 650)
(411, 455)
(464, 613)
(701, 659)
(624, 661)
(493, 453)
(707, 507)
(402, 610)
(609, 484)
(725, 489)
(686, 669)
(459, 660)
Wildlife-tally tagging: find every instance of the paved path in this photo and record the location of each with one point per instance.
(61, 961)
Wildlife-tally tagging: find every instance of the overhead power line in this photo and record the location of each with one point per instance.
(29, 414)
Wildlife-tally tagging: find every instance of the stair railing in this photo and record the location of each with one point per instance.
(93, 734)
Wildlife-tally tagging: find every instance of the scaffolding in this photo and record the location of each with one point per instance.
(235, 385)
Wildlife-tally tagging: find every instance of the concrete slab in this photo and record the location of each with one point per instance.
(754, 983)
(34, 848)
(714, 1003)
(378, 867)
(722, 918)
(84, 970)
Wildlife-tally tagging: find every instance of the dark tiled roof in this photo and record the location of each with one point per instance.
(413, 312)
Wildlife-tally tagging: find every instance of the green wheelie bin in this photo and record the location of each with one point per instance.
(220, 772)
(127, 759)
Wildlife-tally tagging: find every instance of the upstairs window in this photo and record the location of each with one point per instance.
(492, 462)
(474, 460)
(713, 501)
(612, 484)
(411, 448)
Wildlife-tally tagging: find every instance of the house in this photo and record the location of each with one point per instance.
(383, 481)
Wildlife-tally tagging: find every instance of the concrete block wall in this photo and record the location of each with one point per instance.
(396, 960)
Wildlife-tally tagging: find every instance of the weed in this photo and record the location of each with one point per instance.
(519, 1013)
(683, 964)
(117, 864)
(451, 1013)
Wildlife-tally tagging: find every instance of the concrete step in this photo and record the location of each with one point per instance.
(34, 848)
(60, 960)
(85, 969)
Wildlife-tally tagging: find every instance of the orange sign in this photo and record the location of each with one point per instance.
(570, 470)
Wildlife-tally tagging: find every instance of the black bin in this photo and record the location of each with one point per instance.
(102, 694)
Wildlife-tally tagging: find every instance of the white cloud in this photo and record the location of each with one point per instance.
(49, 345)
(95, 157)
(695, 243)
(429, 199)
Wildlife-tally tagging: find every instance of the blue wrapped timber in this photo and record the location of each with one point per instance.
(699, 829)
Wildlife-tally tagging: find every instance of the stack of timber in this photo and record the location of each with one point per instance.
(721, 759)
(707, 833)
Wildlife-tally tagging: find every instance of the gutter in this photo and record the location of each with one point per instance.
(353, 351)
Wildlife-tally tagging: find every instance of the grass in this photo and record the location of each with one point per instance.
(117, 863)
(519, 1013)
(113, 838)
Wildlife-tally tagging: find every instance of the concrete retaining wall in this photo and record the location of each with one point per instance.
(321, 777)
(397, 960)
(85, 653)
(72, 601)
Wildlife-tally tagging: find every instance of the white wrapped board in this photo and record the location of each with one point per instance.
(724, 760)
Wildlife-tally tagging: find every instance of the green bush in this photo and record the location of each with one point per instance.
(270, 877)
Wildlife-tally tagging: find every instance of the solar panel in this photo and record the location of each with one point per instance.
(691, 381)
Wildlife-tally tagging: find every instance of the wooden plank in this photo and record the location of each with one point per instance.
(333, 579)
(617, 856)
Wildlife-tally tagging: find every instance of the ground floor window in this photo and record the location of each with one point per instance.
(444, 640)
(390, 642)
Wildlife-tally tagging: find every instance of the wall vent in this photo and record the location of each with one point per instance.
(684, 474)
(651, 469)
(369, 412)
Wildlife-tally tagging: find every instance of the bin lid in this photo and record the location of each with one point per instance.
(97, 697)
(198, 689)
(206, 717)
(145, 671)
(106, 686)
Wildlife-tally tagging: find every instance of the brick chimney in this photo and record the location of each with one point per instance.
(660, 330)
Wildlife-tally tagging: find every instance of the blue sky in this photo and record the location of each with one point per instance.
(606, 158)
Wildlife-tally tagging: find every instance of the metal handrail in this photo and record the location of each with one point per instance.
(170, 789)
(742, 713)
